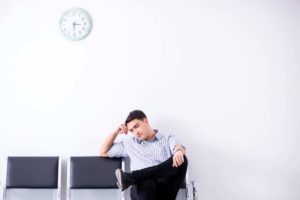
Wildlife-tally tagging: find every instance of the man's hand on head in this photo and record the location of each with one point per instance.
(178, 157)
(122, 129)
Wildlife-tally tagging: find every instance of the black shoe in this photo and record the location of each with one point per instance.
(124, 181)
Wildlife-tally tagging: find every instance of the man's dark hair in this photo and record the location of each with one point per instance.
(136, 114)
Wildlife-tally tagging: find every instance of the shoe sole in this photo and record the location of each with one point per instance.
(119, 185)
(119, 179)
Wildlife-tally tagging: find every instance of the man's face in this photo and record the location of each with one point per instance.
(139, 128)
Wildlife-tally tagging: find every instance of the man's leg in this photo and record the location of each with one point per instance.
(161, 171)
(145, 190)
(167, 189)
(164, 170)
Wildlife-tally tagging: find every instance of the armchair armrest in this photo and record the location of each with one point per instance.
(59, 179)
(191, 191)
(1, 190)
(3, 180)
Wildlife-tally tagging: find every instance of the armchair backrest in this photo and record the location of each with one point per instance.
(25, 175)
(93, 177)
(32, 172)
(93, 172)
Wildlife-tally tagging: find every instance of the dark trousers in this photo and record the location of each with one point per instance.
(160, 182)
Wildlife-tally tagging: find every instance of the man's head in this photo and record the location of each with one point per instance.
(138, 124)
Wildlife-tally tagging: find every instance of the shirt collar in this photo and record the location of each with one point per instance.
(157, 136)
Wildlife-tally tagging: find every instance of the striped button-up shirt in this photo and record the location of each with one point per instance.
(144, 153)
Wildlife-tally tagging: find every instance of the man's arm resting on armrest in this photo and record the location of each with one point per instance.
(108, 142)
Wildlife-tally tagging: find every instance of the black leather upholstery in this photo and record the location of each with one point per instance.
(93, 172)
(32, 172)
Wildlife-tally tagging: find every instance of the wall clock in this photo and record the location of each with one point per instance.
(75, 24)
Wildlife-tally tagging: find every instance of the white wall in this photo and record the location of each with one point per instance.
(223, 76)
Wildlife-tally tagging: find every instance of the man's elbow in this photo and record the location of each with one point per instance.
(103, 154)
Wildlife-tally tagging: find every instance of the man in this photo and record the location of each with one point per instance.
(158, 161)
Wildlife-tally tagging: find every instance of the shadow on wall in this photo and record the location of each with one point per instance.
(221, 173)
(226, 169)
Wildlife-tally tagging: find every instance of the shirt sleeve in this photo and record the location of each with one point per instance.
(173, 141)
(117, 150)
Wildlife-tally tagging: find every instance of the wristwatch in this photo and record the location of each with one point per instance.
(179, 147)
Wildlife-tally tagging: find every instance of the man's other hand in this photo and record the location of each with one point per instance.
(178, 158)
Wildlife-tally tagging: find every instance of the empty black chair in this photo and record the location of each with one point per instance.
(34, 178)
(93, 177)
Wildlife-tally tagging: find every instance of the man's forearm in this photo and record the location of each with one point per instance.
(108, 142)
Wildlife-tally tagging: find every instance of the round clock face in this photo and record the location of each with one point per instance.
(75, 24)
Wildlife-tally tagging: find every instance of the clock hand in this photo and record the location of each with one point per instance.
(74, 24)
